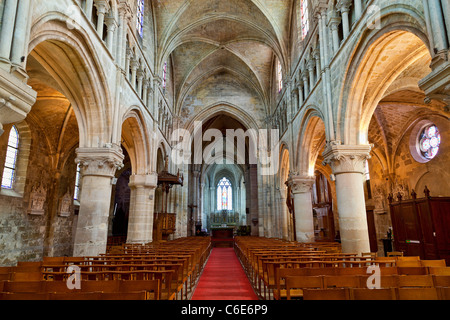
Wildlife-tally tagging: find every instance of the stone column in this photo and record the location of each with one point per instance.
(348, 165)
(446, 14)
(358, 9)
(124, 13)
(134, 67)
(316, 55)
(98, 166)
(305, 84)
(334, 24)
(6, 33)
(301, 95)
(102, 9)
(142, 206)
(195, 195)
(128, 55)
(304, 221)
(111, 24)
(145, 85)
(344, 8)
(140, 77)
(441, 42)
(20, 33)
(310, 65)
(88, 9)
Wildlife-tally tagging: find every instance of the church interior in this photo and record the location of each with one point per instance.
(294, 145)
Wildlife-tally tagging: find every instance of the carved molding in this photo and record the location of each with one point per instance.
(99, 161)
(38, 197)
(299, 183)
(65, 205)
(149, 181)
(345, 158)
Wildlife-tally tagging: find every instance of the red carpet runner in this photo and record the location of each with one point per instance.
(224, 278)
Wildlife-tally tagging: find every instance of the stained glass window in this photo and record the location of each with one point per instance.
(140, 17)
(279, 76)
(429, 142)
(224, 195)
(9, 171)
(304, 18)
(76, 195)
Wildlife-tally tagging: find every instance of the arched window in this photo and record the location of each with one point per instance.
(279, 76)
(224, 195)
(304, 18)
(140, 17)
(76, 195)
(9, 171)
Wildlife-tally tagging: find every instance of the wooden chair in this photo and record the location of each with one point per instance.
(110, 286)
(75, 296)
(433, 263)
(22, 286)
(444, 293)
(123, 296)
(57, 286)
(395, 254)
(389, 281)
(441, 281)
(386, 281)
(417, 294)
(326, 294)
(408, 258)
(280, 279)
(409, 263)
(369, 254)
(296, 285)
(412, 271)
(373, 294)
(23, 296)
(439, 271)
(341, 282)
(26, 276)
(150, 287)
(422, 281)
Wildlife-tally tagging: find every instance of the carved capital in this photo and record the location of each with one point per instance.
(102, 6)
(99, 161)
(299, 183)
(149, 181)
(346, 159)
(344, 5)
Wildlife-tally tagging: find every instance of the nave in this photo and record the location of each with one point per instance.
(256, 268)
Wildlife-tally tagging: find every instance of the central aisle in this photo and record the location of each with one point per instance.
(224, 278)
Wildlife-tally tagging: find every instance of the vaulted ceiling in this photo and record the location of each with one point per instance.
(213, 43)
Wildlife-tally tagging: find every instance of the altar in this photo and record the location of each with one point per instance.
(222, 237)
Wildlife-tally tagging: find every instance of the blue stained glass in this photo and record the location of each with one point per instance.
(9, 171)
(140, 17)
(224, 195)
(430, 141)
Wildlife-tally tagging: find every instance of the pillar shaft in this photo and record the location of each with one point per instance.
(7, 31)
(20, 32)
(98, 167)
(304, 220)
(142, 206)
(347, 163)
